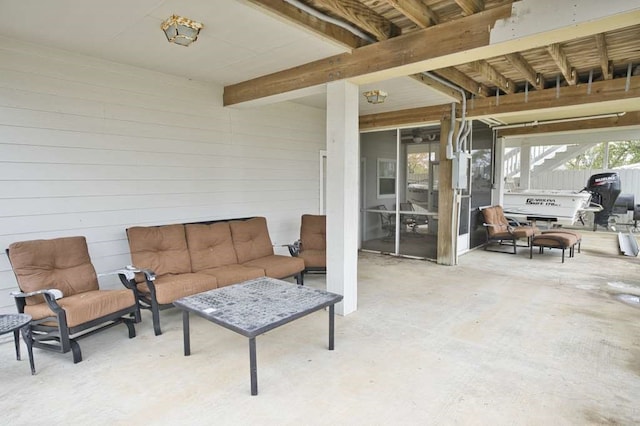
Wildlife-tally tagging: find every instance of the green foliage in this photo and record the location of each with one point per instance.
(621, 153)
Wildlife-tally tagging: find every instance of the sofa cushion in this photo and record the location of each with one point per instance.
(83, 307)
(233, 274)
(61, 263)
(163, 249)
(313, 231)
(251, 239)
(276, 266)
(171, 287)
(210, 246)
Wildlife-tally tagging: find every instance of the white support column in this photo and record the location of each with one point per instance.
(342, 193)
(498, 187)
(525, 166)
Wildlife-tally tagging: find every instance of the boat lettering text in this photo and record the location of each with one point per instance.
(542, 202)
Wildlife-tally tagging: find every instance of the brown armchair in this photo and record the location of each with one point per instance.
(312, 245)
(500, 229)
(59, 289)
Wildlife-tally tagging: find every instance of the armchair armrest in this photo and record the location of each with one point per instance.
(50, 296)
(294, 248)
(128, 273)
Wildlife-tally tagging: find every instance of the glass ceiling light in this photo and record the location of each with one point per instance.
(375, 96)
(181, 30)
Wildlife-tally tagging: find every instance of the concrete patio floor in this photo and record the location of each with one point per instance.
(498, 339)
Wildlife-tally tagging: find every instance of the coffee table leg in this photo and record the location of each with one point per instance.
(185, 331)
(332, 309)
(253, 367)
(16, 340)
(28, 339)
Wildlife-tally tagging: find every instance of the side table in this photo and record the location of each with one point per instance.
(19, 323)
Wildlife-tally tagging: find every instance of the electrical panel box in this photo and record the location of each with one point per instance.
(461, 163)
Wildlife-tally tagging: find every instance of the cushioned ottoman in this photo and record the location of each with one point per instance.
(560, 240)
(566, 231)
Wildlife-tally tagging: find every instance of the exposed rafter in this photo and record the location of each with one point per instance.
(361, 16)
(487, 71)
(327, 30)
(461, 79)
(626, 120)
(469, 7)
(421, 14)
(527, 71)
(613, 93)
(603, 54)
(436, 85)
(561, 60)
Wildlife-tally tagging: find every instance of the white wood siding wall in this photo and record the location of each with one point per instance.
(89, 147)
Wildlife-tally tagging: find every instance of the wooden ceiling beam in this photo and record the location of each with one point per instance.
(461, 79)
(527, 71)
(362, 17)
(436, 85)
(418, 12)
(603, 54)
(417, 51)
(561, 60)
(485, 69)
(606, 91)
(407, 117)
(627, 120)
(448, 44)
(284, 11)
(469, 7)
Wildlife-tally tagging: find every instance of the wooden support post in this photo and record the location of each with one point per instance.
(447, 206)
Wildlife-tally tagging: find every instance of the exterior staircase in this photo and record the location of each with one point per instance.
(543, 158)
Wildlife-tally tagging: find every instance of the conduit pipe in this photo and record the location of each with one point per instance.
(329, 19)
(559, 120)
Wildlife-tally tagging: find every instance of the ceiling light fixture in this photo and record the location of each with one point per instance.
(375, 96)
(181, 30)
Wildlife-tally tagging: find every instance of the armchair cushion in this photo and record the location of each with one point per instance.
(62, 263)
(314, 258)
(87, 306)
(313, 231)
(163, 249)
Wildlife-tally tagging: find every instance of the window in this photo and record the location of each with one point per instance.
(386, 178)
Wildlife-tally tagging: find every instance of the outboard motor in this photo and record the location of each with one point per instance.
(605, 189)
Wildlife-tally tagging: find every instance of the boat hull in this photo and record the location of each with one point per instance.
(565, 207)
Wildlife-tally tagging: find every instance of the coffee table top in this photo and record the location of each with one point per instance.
(257, 306)
(11, 322)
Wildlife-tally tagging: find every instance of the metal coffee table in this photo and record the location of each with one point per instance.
(254, 307)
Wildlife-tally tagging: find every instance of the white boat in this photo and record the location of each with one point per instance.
(563, 206)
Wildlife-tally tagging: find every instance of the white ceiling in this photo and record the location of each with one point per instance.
(238, 42)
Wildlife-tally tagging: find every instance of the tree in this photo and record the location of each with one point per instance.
(621, 153)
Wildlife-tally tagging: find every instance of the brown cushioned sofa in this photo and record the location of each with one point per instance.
(179, 260)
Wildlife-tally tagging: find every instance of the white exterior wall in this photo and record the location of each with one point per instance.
(89, 147)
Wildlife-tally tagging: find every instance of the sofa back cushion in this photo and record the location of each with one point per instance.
(313, 232)
(163, 249)
(60, 263)
(251, 239)
(210, 246)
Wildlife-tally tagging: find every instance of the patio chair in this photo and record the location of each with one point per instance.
(312, 245)
(409, 221)
(387, 222)
(501, 230)
(59, 289)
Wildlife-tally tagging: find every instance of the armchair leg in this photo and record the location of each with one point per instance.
(155, 313)
(130, 325)
(75, 349)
